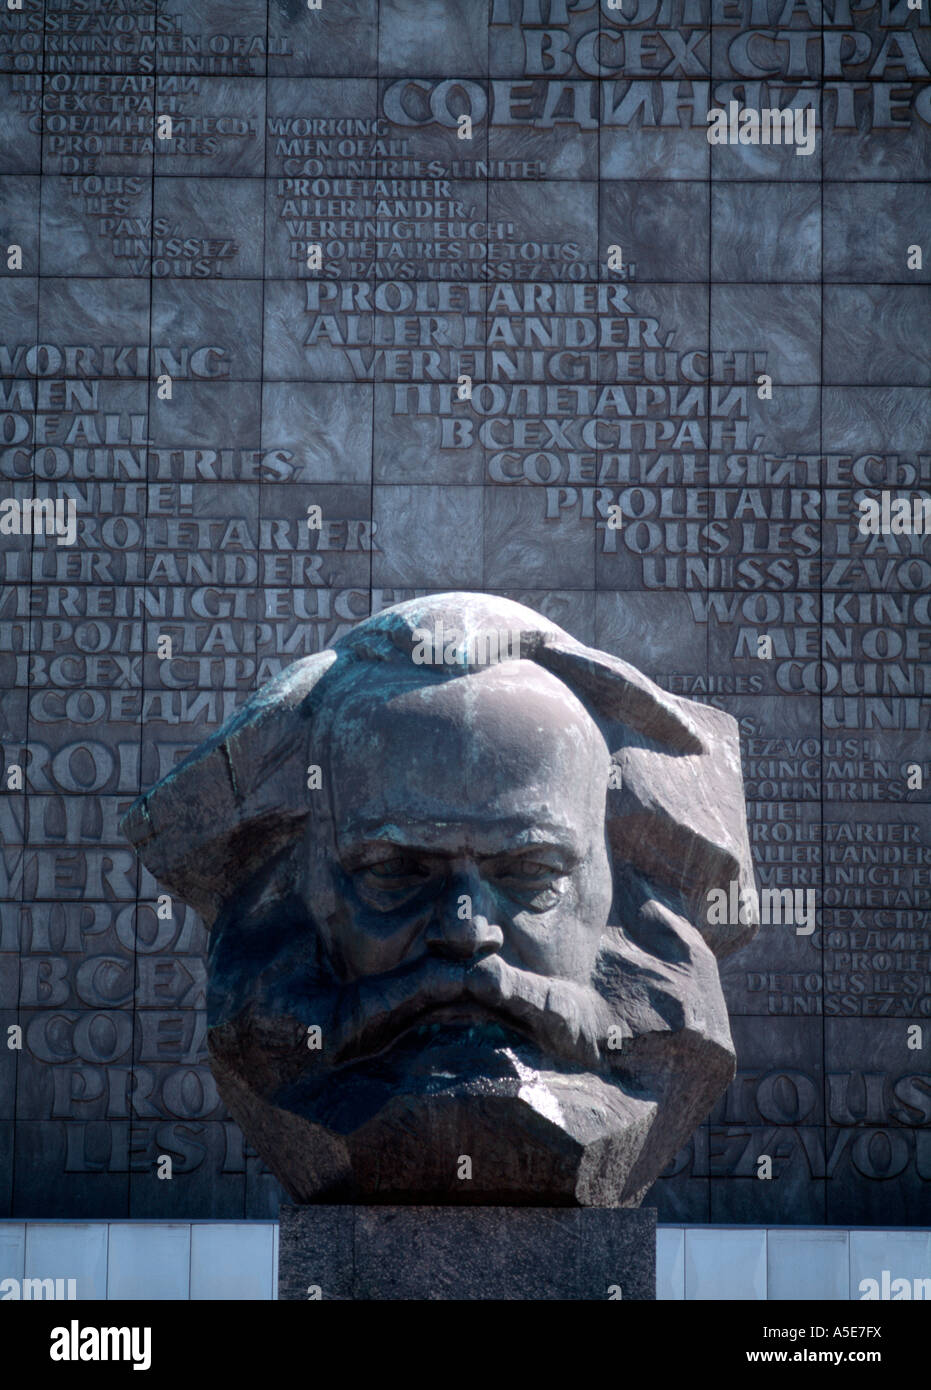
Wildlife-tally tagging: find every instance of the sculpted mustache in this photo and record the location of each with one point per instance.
(565, 1020)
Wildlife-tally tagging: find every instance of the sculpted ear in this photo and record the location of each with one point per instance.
(237, 800)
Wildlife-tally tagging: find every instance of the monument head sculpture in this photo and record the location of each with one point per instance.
(456, 871)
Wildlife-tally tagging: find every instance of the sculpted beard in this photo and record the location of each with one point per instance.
(565, 1021)
(468, 1033)
(364, 1018)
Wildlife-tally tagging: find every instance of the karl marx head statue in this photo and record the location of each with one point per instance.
(456, 870)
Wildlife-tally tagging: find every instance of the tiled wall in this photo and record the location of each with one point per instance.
(783, 1262)
(146, 1259)
(238, 1260)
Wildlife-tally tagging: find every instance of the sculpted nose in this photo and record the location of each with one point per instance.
(459, 930)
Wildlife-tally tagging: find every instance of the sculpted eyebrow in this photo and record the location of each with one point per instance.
(357, 856)
(354, 854)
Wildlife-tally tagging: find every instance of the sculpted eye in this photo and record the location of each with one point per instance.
(532, 869)
(537, 884)
(398, 866)
(387, 884)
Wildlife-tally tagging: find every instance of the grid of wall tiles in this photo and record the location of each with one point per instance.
(165, 1260)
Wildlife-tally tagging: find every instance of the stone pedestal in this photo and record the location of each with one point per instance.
(415, 1252)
